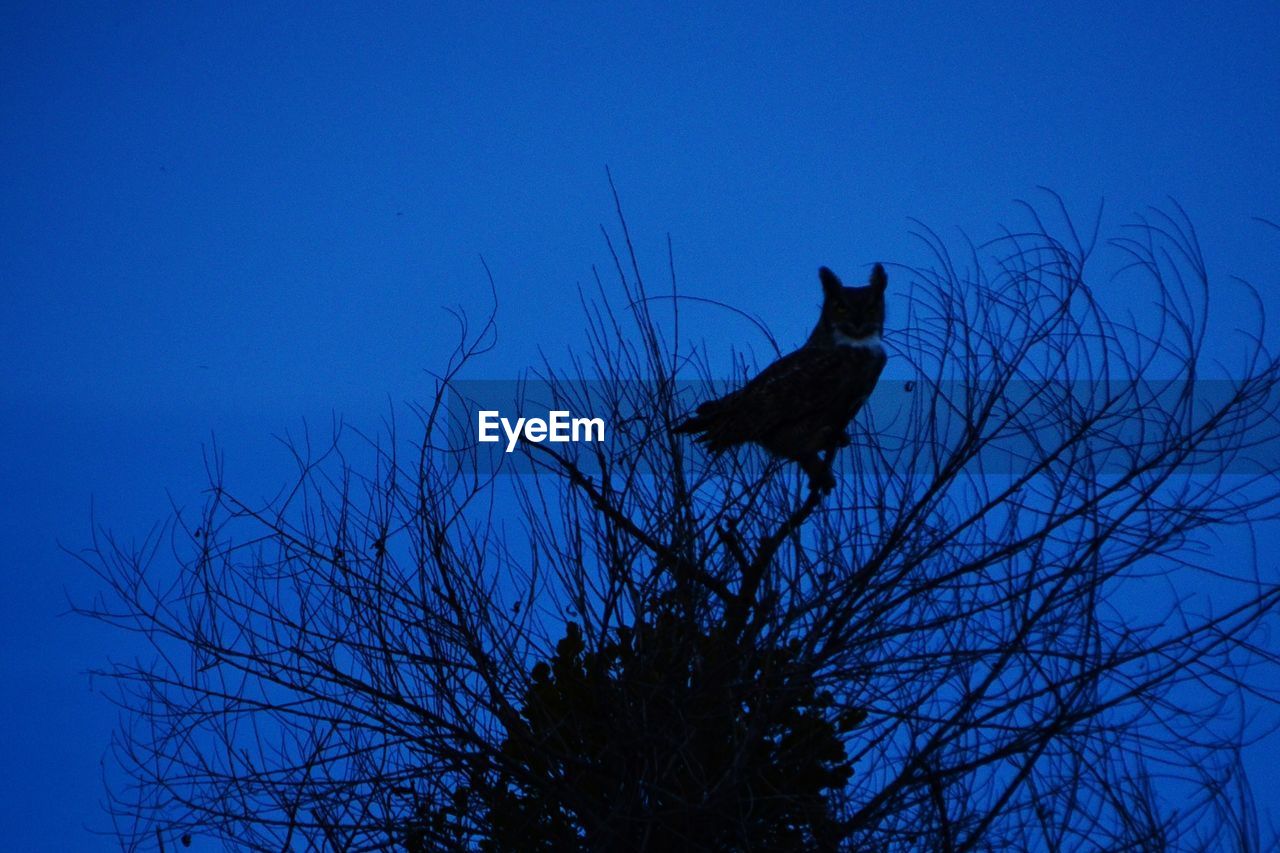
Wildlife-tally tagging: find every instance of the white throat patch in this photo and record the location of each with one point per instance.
(869, 342)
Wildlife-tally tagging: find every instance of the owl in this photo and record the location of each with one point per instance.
(798, 407)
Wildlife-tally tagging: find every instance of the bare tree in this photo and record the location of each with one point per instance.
(1009, 627)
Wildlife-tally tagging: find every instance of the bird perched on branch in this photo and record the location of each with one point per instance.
(798, 407)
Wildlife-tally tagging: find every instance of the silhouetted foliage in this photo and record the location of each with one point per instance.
(672, 737)
(1010, 626)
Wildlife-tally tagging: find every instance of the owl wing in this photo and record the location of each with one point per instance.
(804, 398)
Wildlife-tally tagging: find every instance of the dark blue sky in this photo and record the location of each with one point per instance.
(223, 219)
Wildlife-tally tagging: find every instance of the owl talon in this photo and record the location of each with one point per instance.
(821, 479)
(822, 483)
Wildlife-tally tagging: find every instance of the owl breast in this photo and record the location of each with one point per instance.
(812, 409)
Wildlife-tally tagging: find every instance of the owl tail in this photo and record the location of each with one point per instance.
(688, 426)
(709, 427)
(702, 420)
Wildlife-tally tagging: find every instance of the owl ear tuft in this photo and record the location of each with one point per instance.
(830, 281)
(879, 279)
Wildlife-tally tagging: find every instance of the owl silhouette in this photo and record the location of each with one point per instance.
(799, 407)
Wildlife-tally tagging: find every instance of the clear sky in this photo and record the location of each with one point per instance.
(224, 218)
